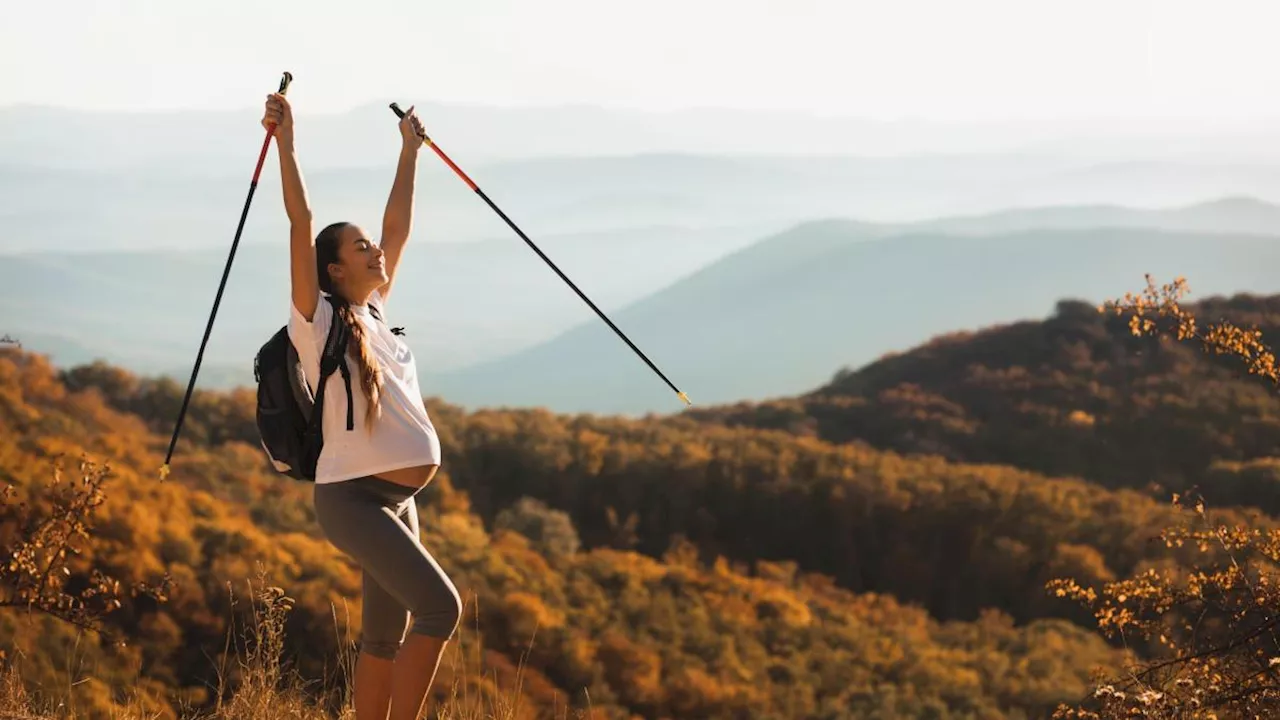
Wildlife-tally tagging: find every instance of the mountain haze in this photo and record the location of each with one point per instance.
(667, 287)
(773, 319)
(460, 302)
(187, 206)
(225, 140)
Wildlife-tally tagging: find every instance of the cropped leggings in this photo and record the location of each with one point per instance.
(375, 523)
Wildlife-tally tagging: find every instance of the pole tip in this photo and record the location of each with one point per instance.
(164, 471)
(685, 398)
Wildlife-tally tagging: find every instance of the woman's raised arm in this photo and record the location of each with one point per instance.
(302, 251)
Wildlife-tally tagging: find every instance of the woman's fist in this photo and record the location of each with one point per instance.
(278, 116)
(411, 130)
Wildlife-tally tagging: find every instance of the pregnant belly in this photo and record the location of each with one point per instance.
(415, 477)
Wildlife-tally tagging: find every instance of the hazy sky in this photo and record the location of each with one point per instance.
(939, 59)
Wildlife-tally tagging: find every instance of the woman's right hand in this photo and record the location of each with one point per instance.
(279, 114)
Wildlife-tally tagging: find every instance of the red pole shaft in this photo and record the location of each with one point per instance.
(685, 398)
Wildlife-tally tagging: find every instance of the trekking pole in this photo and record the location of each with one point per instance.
(431, 144)
(217, 299)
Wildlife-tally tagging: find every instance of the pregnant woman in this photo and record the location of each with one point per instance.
(367, 476)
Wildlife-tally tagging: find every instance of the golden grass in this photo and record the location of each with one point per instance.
(266, 688)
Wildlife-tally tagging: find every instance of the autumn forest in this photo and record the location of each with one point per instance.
(1074, 517)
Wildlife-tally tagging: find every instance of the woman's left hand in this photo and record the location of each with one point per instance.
(411, 129)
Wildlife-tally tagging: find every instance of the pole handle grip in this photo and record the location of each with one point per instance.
(285, 80)
(395, 108)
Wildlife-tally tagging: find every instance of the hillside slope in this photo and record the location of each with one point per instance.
(1072, 394)
(775, 319)
(921, 529)
(671, 635)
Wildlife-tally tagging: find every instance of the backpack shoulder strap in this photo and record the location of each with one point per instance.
(334, 358)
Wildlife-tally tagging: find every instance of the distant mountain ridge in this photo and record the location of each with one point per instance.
(774, 318)
(147, 309)
(493, 325)
(189, 204)
(35, 135)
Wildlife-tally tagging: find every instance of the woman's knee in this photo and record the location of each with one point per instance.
(383, 649)
(383, 634)
(439, 614)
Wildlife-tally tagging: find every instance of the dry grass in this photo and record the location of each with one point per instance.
(256, 684)
(254, 681)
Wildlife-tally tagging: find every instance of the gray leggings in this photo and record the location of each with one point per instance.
(375, 522)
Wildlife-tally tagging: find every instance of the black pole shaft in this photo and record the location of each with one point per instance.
(470, 183)
(581, 294)
(222, 284)
(208, 328)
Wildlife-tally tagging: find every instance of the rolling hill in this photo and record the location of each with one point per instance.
(495, 302)
(460, 302)
(1071, 394)
(189, 206)
(681, 631)
(750, 558)
(774, 318)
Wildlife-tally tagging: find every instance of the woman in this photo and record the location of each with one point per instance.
(366, 479)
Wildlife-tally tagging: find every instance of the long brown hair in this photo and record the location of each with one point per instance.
(370, 374)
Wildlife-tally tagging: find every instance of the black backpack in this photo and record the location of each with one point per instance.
(289, 415)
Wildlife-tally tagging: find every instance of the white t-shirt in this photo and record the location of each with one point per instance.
(403, 436)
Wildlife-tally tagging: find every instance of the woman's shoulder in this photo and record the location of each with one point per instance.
(320, 320)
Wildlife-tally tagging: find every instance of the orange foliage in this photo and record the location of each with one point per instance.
(679, 625)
